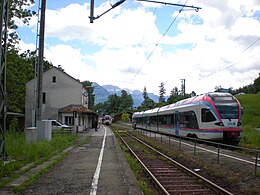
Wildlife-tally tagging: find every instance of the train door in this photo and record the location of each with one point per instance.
(176, 122)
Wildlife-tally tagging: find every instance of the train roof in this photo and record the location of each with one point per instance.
(212, 96)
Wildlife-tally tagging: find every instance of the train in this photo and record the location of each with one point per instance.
(107, 120)
(213, 116)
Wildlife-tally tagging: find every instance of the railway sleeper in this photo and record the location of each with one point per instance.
(185, 186)
(172, 178)
(174, 172)
(193, 192)
(178, 175)
(176, 183)
(159, 166)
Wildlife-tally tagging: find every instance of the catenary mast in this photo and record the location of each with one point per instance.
(3, 98)
(40, 62)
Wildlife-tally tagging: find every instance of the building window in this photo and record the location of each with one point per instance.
(69, 120)
(54, 79)
(43, 98)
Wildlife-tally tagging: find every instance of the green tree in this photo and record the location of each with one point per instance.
(20, 69)
(113, 104)
(257, 85)
(147, 103)
(145, 94)
(174, 96)
(162, 92)
(101, 108)
(218, 88)
(91, 96)
(193, 94)
(125, 117)
(126, 102)
(18, 10)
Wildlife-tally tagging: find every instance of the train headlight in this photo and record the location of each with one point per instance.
(239, 124)
(219, 124)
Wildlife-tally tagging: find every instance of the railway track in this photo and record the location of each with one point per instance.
(170, 176)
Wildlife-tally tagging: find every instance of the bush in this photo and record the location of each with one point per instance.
(125, 117)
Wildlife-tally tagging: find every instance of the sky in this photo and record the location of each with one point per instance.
(142, 44)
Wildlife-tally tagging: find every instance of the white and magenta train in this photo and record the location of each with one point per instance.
(212, 116)
(107, 120)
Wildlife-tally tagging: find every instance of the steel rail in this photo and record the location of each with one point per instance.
(215, 144)
(207, 182)
(148, 171)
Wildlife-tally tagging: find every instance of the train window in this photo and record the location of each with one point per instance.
(139, 120)
(153, 120)
(165, 120)
(162, 120)
(188, 120)
(206, 115)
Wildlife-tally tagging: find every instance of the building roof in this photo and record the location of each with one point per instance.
(77, 108)
(62, 70)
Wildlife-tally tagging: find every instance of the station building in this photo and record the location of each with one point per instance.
(64, 99)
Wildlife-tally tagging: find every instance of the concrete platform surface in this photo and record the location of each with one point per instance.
(98, 167)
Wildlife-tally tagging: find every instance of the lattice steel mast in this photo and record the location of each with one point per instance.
(3, 98)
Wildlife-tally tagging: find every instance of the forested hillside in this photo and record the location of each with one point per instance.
(251, 109)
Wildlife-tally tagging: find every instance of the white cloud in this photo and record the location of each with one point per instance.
(26, 46)
(71, 60)
(219, 52)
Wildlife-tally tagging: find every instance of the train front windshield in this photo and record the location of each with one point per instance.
(228, 111)
(227, 106)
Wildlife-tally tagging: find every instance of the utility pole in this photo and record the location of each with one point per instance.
(3, 98)
(183, 86)
(40, 63)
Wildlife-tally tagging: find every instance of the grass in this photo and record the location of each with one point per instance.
(137, 169)
(21, 153)
(138, 172)
(36, 176)
(250, 120)
(250, 137)
(251, 109)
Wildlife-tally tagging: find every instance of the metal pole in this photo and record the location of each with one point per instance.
(218, 155)
(256, 159)
(195, 147)
(3, 96)
(40, 63)
(180, 143)
(91, 17)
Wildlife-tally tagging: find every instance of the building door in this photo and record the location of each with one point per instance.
(176, 122)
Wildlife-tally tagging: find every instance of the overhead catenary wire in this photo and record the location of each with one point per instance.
(157, 44)
(143, 37)
(229, 64)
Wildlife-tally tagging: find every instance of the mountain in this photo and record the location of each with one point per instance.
(102, 93)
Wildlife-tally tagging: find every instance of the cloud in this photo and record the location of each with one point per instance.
(71, 60)
(126, 47)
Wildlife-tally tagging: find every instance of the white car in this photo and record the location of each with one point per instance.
(57, 125)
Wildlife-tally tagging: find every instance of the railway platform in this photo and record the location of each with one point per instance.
(98, 167)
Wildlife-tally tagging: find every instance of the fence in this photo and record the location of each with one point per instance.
(193, 141)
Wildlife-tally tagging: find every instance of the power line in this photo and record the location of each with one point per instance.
(251, 44)
(151, 53)
(144, 35)
(225, 67)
